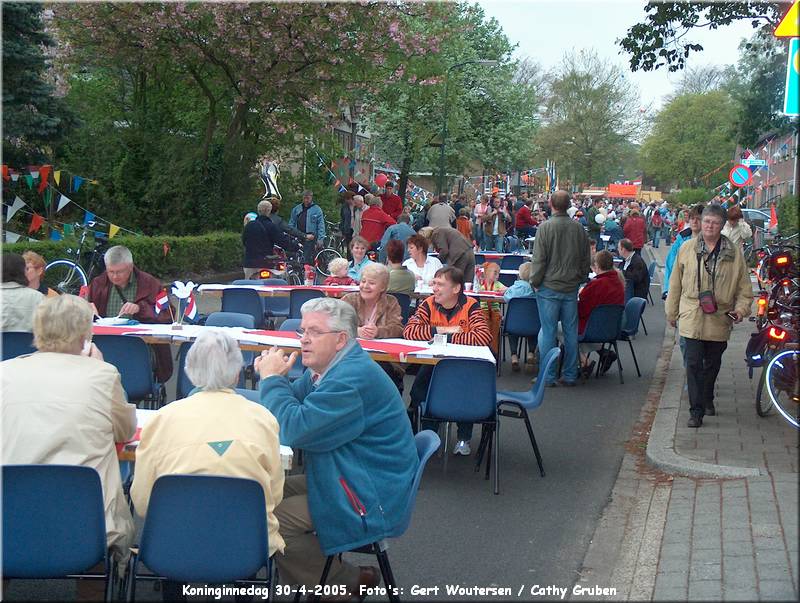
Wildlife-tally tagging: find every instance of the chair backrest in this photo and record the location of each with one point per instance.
(17, 343)
(132, 358)
(512, 262)
(297, 297)
(651, 269)
(250, 394)
(604, 324)
(244, 301)
(628, 289)
(479, 259)
(259, 281)
(230, 319)
(522, 317)
(184, 385)
(634, 308)
(462, 389)
(204, 528)
(53, 520)
(538, 389)
(290, 324)
(405, 305)
(427, 443)
(508, 279)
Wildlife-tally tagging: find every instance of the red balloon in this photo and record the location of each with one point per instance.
(381, 179)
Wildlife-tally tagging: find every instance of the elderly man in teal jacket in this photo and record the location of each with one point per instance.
(349, 420)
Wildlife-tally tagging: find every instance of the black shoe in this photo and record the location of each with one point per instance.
(586, 371)
(608, 360)
(710, 410)
(695, 422)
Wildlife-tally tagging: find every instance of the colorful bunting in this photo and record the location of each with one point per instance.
(44, 173)
(68, 230)
(11, 237)
(47, 197)
(36, 223)
(5, 172)
(55, 235)
(88, 217)
(15, 207)
(76, 182)
(14, 176)
(57, 177)
(29, 180)
(62, 202)
(34, 173)
(113, 229)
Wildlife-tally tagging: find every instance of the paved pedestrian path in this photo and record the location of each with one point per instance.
(702, 514)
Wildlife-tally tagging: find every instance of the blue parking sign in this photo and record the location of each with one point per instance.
(791, 99)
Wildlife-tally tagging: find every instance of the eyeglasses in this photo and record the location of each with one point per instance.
(312, 333)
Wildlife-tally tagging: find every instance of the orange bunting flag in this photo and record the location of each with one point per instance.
(773, 217)
(44, 172)
(5, 173)
(36, 223)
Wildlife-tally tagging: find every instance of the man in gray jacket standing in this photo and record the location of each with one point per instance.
(561, 259)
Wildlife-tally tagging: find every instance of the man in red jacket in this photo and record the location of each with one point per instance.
(635, 228)
(374, 221)
(525, 223)
(607, 287)
(392, 204)
(124, 290)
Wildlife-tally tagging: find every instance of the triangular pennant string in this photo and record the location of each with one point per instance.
(15, 207)
(63, 202)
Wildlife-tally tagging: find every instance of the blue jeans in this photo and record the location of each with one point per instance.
(555, 306)
(492, 242)
(477, 234)
(656, 236)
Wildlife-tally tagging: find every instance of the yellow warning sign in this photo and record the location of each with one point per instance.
(789, 27)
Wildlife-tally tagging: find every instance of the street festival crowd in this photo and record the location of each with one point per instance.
(346, 412)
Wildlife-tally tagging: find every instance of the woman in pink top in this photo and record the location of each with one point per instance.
(480, 209)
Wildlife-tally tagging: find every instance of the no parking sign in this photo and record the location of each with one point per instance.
(740, 175)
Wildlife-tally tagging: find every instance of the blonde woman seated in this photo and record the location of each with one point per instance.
(64, 406)
(214, 431)
(379, 314)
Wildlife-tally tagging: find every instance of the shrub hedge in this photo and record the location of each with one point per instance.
(788, 217)
(189, 255)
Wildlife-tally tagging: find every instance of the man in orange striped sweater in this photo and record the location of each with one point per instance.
(448, 311)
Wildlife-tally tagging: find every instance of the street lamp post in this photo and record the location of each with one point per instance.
(487, 62)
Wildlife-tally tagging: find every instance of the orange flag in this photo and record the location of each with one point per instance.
(36, 223)
(44, 172)
(773, 217)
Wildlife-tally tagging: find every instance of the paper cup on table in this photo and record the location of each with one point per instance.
(439, 339)
(467, 286)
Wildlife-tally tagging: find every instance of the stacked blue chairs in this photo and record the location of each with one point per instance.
(54, 524)
(133, 360)
(244, 301)
(517, 404)
(17, 343)
(298, 297)
(604, 327)
(464, 390)
(634, 309)
(292, 324)
(203, 528)
(405, 305)
(427, 443)
(522, 320)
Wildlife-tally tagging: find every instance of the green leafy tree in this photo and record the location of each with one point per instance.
(34, 119)
(661, 39)
(691, 136)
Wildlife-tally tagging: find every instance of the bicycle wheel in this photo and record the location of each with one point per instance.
(763, 403)
(782, 386)
(65, 276)
(293, 278)
(323, 258)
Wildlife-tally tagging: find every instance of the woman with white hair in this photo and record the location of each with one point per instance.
(64, 406)
(214, 431)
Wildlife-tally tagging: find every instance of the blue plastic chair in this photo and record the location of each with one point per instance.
(479, 259)
(54, 524)
(297, 370)
(17, 343)
(298, 297)
(259, 281)
(464, 390)
(512, 262)
(203, 528)
(133, 360)
(634, 309)
(522, 320)
(184, 385)
(405, 305)
(651, 271)
(604, 327)
(508, 279)
(275, 306)
(427, 443)
(522, 402)
(244, 301)
(236, 319)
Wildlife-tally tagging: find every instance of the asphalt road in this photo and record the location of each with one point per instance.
(537, 530)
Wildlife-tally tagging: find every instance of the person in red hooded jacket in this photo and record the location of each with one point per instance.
(635, 228)
(392, 204)
(374, 221)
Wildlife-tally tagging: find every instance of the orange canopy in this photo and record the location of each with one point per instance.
(622, 190)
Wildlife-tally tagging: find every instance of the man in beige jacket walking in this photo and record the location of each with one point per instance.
(709, 291)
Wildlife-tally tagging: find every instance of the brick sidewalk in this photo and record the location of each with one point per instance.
(695, 532)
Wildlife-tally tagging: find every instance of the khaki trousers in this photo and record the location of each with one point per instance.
(302, 560)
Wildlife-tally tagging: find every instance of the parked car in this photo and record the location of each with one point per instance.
(756, 217)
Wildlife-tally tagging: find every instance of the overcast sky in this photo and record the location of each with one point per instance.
(545, 29)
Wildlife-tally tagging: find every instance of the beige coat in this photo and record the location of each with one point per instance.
(738, 234)
(19, 303)
(177, 440)
(732, 289)
(68, 409)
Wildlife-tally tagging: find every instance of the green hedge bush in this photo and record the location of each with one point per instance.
(788, 215)
(187, 256)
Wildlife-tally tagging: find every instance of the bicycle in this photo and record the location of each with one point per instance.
(71, 274)
(783, 385)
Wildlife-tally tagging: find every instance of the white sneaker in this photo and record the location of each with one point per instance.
(462, 448)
